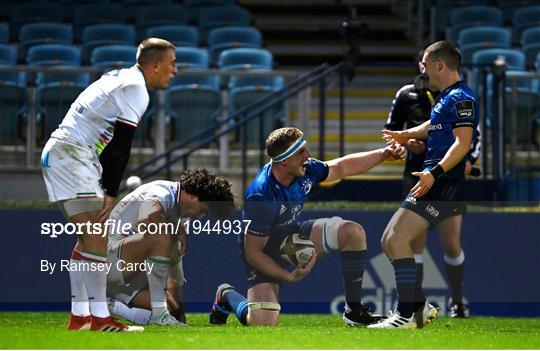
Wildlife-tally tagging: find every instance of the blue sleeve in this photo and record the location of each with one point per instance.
(261, 212)
(316, 170)
(463, 112)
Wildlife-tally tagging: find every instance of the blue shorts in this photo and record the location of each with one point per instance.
(442, 201)
(255, 277)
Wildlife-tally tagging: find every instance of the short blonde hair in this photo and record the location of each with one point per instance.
(280, 139)
(152, 49)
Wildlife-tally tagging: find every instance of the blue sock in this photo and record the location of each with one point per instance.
(238, 304)
(352, 266)
(408, 299)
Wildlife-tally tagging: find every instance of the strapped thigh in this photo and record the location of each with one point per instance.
(269, 306)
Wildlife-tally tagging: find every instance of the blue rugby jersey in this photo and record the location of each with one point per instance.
(457, 106)
(273, 208)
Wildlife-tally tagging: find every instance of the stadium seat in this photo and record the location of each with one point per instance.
(193, 3)
(34, 12)
(178, 35)
(186, 58)
(12, 96)
(54, 54)
(113, 56)
(99, 13)
(43, 33)
(245, 58)
(193, 108)
(105, 34)
(473, 16)
(159, 15)
(221, 39)
(443, 8)
(525, 17)
(4, 33)
(478, 38)
(508, 7)
(221, 16)
(530, 44)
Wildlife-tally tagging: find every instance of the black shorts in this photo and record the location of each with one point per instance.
(442, 201)
(255, 277)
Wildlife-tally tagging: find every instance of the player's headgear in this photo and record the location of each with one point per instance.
(282, 143)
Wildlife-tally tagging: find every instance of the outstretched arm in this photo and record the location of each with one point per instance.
(401, 136)
(361, 162)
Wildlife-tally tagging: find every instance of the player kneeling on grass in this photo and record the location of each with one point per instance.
(273, 203)
(146, 272)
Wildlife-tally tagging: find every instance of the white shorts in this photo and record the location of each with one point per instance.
(71, 171)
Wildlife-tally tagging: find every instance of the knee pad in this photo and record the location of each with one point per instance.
(330, 230)
(269, 306)
(74, 207)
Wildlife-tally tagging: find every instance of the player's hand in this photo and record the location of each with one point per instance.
(425, 182)
(395, 136)
(415, 146)
(108, 204)
(468, 167)
(393, 152)
(302, 270)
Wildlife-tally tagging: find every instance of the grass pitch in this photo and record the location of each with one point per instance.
(22, 330)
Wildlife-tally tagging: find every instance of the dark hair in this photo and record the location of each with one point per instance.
(152, 49)
(445, 51)
(212, 190)
(280, 139)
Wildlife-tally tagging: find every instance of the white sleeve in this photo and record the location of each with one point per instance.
(162, 196)
(132, 101)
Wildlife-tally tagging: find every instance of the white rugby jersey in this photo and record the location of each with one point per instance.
(118, 95)
(164, 192)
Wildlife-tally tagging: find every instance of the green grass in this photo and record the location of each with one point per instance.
(47, 331)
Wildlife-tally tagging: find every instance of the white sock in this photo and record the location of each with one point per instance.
(418, 258)
(79, 296)
(455, 261)
(95, 279)
(157, 282)
(132, 314)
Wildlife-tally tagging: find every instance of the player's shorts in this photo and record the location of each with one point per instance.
(442, 201)
(255, 277)
(71, 171)
(117, 287)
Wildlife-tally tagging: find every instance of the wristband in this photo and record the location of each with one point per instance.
(436, 171)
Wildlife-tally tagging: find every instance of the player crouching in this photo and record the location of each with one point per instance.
(153, 293)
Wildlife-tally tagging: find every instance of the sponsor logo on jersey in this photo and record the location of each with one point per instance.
(437, 107)
(435, 126)
(282, 209)
(307, 186)
(464, 109)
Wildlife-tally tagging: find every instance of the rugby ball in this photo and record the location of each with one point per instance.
(296, 250)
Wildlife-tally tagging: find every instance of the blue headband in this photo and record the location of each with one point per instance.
(291, 150)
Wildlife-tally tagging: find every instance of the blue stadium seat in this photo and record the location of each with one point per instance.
(43, 33)
(193, 58)
(178, 35)
(473, 16)
(54, 54)
(480, 38)
(193, 3)
(32, 12)
(159, 15)
(221, 39)
(443, 8)
(193, 108)
(113, 56)
(105, 34)
(525, 17)
(4, 33)
(99, 13)
(530, 44)
(12, 96)
(221, 16)
(508, 7)
(245, 58)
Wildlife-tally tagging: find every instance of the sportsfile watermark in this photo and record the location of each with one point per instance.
(117, 226)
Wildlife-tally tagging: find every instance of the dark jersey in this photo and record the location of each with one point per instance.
(455, 107)
(410, 108)
(273, 208)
